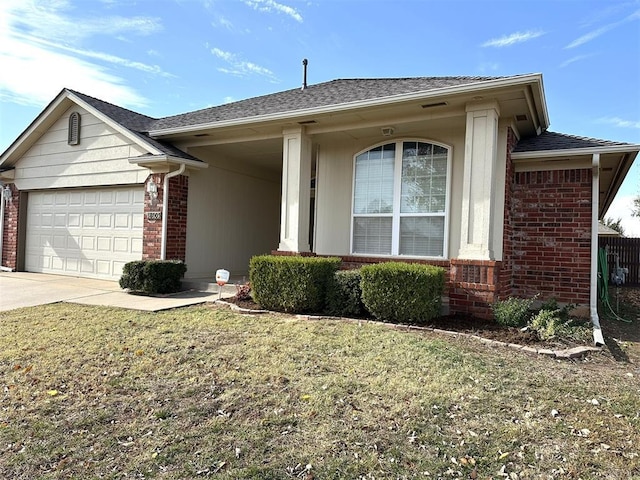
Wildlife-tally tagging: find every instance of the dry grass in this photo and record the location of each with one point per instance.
(92, 392)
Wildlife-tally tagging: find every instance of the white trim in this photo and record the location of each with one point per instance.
(569, 152)
(147, 161)
(396, 215)
(342, 107)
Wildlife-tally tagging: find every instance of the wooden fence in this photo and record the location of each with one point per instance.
(628, 250)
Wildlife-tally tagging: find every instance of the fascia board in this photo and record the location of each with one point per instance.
(142, 162)
(378, 102)
(548, 154)
(115, 125)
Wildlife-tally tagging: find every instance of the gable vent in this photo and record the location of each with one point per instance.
(73, 137)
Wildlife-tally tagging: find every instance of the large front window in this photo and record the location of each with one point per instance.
(400, 200)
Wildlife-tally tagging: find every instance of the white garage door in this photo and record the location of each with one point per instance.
(86, 233)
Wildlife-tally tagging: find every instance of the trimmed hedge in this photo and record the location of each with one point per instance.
(344, 295)
(291, 284)
(402, 292)
(153, 276)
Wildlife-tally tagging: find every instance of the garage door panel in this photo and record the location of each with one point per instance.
(92, 232)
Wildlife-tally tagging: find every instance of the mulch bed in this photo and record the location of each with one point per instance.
(456, 323)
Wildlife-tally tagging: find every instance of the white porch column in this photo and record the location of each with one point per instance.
(480, 157)
(296, 191)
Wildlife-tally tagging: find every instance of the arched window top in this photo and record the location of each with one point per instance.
(74, 129)
(401, 199)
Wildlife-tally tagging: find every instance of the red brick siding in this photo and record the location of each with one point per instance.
(473, 286)
(505, 279)
(152, 229)
(9, 254)
(551, 213)
(176, 219)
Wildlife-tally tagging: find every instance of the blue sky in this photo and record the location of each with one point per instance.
(162, 57)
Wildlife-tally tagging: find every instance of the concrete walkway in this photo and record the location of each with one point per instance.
(21, 289)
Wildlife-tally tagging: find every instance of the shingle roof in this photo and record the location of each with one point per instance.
(561, 141)
(136, 123)
(335, 92)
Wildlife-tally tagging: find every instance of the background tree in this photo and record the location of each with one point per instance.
(614, 224)
(635, 209)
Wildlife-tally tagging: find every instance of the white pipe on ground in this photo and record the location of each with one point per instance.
(598, 339)
(165, 208)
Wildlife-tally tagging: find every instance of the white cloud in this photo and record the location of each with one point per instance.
(602, 30)
(518, 37)
(38, 61)
(223, 22)
(619, 122)
(577, 58)
(271, 5)
(621, 207)
(240, 67)
(226, 56)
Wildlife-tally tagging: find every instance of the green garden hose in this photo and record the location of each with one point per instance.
(603, 284)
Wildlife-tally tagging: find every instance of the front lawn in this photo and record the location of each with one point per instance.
(91, 392)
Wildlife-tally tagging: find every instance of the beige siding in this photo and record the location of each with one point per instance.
(335, 183)
(231, 217)
(101, 158)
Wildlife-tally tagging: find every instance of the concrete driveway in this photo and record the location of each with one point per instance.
(21, 289)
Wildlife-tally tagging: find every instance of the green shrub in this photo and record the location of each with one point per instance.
(291, 283)
(133, 276)
(561, 312)
(153, 276)
(513, 312)
(344, 295)
(402, 292)
(547, 324)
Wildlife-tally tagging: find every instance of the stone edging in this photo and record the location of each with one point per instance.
(567, 354)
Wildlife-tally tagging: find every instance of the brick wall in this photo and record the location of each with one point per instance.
(152, 229)
(9, 254)
(505, 278)
(177, 218)
(552, 234)
(473, 286)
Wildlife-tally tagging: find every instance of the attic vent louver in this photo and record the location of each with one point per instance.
(74, 129)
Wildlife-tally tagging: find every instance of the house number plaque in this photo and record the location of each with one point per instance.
(154, 215)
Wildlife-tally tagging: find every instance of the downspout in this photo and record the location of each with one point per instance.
(593, 297)
(165, 209)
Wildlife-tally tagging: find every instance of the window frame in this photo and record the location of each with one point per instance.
(396, 213)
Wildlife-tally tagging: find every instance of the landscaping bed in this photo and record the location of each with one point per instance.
(489, 329)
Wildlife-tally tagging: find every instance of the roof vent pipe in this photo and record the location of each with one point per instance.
(305, 62)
